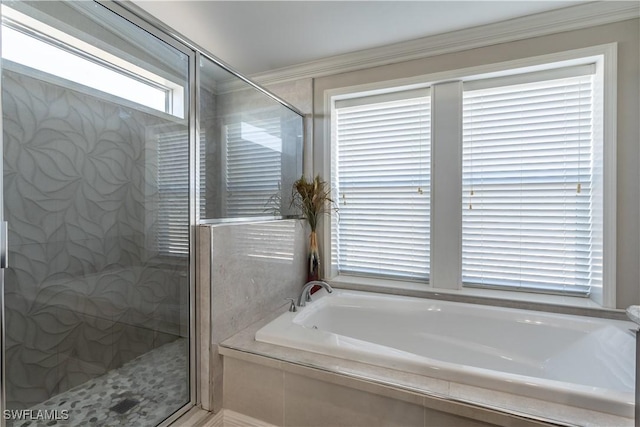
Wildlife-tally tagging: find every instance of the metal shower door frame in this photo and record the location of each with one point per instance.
(4, 254)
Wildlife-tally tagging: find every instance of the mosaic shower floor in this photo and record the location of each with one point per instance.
(141, 393)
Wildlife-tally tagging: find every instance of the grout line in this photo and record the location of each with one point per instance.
(284, 396)
(424, 411)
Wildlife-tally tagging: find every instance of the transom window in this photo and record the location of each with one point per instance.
(30, 43)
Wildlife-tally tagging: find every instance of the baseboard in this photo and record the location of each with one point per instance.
(225, 418)
(198, 417)
(216, 421)
(236, 419)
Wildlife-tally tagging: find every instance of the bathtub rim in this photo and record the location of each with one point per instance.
(243, 344)
(560, 304)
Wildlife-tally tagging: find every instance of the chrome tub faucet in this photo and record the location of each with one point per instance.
(305, 296)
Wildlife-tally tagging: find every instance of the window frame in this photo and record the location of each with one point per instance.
(605, 58)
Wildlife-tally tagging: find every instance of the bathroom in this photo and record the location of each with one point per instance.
(150, 247)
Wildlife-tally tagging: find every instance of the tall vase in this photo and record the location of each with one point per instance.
(314, 258)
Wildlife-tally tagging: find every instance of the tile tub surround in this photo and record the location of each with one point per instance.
(299, 396)
(444, 396)
(245, 271)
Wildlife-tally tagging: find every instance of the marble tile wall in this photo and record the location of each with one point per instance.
(87, 289)
(251, 268)
(294, 396)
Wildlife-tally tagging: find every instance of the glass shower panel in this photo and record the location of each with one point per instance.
(96, 194)
(251, 148)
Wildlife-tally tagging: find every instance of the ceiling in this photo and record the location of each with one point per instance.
(259, 36)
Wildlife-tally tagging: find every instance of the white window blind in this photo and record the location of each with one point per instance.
(528, 165)
(381, 173)
(173, 191)
(253, 167)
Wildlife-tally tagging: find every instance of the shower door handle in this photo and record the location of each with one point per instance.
(4, 244)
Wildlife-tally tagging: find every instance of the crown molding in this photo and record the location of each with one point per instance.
(540, 24)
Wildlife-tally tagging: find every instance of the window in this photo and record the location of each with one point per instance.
(528, 166)
(381, 173)
(33, 44)
(531, 167)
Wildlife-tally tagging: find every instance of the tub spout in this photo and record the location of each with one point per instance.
(306, 291)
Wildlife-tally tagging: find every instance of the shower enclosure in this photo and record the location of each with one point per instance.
(104, 173)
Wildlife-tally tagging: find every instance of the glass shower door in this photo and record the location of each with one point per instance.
(96, 194)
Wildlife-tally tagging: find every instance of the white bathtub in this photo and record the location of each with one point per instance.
(579, 361)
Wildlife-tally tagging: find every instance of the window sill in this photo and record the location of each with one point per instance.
(513, 299)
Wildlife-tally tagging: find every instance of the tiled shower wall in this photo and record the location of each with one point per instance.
(86, 289)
